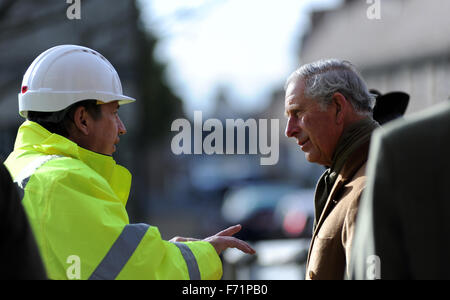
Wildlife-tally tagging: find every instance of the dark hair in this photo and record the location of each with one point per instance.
(59, 122)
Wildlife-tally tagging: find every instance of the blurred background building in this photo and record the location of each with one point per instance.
(406, 49)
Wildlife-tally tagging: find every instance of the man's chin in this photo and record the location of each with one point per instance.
(315, 160)
(111, 151)
(309, 158)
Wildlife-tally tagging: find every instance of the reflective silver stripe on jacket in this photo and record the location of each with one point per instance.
(22, 179)
(191, 262)
(120, 252)
(124, 247)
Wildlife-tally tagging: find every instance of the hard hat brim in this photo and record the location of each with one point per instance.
(56, 101)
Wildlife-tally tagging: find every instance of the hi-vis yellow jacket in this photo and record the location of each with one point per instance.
(75, 200)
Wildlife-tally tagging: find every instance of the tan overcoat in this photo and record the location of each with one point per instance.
(329, 252)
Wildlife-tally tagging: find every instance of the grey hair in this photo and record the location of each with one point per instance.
(325, 77)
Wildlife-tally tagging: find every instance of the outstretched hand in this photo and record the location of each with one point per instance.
(223, 240)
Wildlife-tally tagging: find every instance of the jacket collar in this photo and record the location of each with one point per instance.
(352, 138)
(352, 165)
(34, 137)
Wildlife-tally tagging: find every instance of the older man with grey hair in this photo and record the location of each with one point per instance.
(329, 111)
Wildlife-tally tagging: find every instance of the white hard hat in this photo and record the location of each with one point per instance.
(66, 74)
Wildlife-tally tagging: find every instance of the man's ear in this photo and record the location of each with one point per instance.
(340, 103)
(81, 120)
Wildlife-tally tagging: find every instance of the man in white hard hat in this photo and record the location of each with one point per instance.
(75, 193)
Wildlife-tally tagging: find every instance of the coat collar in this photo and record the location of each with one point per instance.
(352, 165)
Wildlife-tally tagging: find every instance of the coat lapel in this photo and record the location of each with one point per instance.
(331, 202)
(355, 161)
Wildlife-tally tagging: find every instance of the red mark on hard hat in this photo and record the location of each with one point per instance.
(24, 89)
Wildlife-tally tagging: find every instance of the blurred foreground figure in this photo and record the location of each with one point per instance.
(18, 249)
(329, 112)
(74, 192)
(403, 227)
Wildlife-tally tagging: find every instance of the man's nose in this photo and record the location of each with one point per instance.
(291, 128)
(122, 129)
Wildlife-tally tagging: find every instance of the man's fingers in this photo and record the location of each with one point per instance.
(233, 242)
(221, 243)
(182, 239)
(230, 231)
(224, 240)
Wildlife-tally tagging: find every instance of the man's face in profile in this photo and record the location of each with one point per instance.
(310, 125)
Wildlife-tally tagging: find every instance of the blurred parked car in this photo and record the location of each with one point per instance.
(269, 211)
(295, 213)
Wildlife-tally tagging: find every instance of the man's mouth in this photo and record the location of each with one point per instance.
(301, 143)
